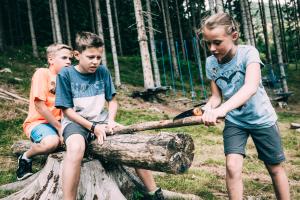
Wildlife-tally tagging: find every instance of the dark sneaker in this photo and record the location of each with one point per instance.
(158, 195)
(25, 168)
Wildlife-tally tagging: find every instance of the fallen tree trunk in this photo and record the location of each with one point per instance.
(188, 121)
(165, 152)
(97, 181)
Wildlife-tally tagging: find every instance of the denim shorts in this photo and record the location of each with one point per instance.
(267, 142)
(40, 131)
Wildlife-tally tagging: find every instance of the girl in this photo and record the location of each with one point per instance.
(234, 71)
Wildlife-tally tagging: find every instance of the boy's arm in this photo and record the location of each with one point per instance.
(112, 109)
(41, 107)
(99, 130)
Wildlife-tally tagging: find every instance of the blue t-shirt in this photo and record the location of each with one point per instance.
(258, 111)
(85, 93)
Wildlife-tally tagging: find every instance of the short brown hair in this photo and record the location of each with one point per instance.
(53, 48)
(219, 19)
(86, 40)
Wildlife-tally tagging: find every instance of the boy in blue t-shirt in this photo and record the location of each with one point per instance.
(81, 93)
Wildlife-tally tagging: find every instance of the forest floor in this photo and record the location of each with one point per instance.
(205, 178)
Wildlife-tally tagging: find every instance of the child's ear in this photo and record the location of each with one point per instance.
(76, 54)
(235, 35)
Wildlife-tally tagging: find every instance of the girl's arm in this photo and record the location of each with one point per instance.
(215, 99)
(252, 79)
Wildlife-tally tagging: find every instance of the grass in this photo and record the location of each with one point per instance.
(205, 178)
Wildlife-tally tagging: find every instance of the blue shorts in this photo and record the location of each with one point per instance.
(40, 131)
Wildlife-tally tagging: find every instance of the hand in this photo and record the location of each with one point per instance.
(99, 131)
(210, 116)
(110, 126)
(61, 138)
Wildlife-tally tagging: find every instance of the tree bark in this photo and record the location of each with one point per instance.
(97, 181)
(250, 23)
(187, 121)
(152, 45)
(52, 22)
(118, 29)
(277, 42)
(1, 30)
(56, 22)
(92, 16)
(245, 22)
(180, 30)
(32, 32)
(211, 4)
(142, 38)
(67, 23)
(113, 45)
(172, 44)
(165, 24)
(219, 6)
(100, 29)
(165, 152)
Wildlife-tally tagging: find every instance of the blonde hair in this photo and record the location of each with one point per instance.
(53, 48)
(220, 19)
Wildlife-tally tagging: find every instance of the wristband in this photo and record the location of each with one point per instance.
(93, 127)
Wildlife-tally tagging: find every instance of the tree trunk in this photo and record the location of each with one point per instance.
(48, 185)
(180, 30)
(245, 22)
(113, 45)
(165, 24)
(56, 22)
(250, 23)
(1, 30)
(187, 121)
(265, 31)
(276, 37)
(172, 44)
(211, 4)
(152, 45)
(92, 16)
(67, 23)
(118, 29)
(32, 32)
(19, 21)
(52, 22)
(165, 152)
(219, 6)
(97, 181)
(282, 31)
(142, 38)
(100, 29)
(9, 22)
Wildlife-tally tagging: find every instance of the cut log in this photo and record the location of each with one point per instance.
(97, 181)
(295, 125)
(165, 152)
(188, 121)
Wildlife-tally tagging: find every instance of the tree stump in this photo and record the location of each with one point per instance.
(108, 178)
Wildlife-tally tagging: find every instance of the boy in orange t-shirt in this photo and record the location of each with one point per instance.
(42, 124)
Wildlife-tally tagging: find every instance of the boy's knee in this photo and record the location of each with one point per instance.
(75, 150)
(233, 168)
(50, 143)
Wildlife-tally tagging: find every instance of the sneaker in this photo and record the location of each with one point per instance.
(158, 195)
(25, 168)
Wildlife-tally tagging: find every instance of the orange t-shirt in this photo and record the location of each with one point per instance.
(42, 88)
